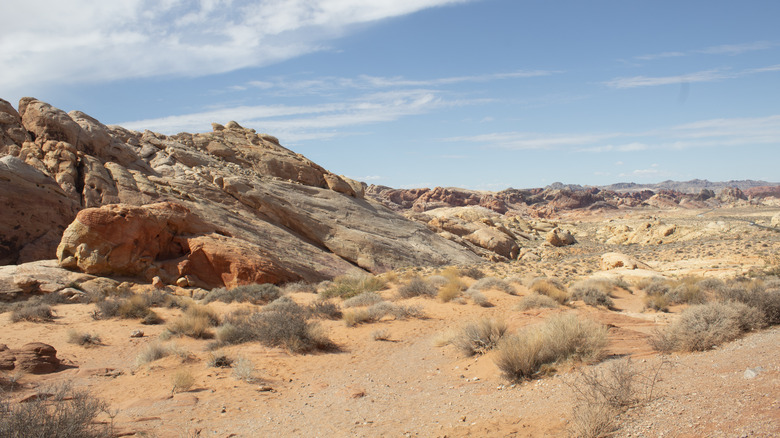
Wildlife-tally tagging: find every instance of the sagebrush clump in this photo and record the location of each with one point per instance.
(479, 337)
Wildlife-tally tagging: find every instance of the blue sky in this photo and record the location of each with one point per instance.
(483, 94)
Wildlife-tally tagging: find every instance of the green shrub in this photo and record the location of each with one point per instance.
(479, 337)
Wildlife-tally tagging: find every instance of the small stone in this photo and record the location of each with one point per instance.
(137, 333)
(157, 283)
(182, 282)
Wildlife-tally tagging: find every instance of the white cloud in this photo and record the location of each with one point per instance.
(90, 40)
(659, 56)
(726, 49)
(734, 132)
(701, 76)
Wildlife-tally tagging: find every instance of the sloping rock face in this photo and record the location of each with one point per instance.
(242, 192)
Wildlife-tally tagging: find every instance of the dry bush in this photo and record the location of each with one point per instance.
(656, 302)
(194, 326)
(437, 281)
(282, 323)
(57, 412)
(701, 327)
(687, 291)
(363, 299)
(33, 313)
(83, 338)
(153, 352)
(561, 338)
(472, 272)
(535, 301)
(552, 287)
(252, 293)
(324, 309)
(416, 287)
(450, 291)
(298, 287)
(182, 381)
(761, 295)
(479, 337)
(380, 335)
(218, 360)
(244, 369)
(356, 316)
(593, 293)
(478, 297)
(350, 286)
(494, 283)
(380, 310)
(593, 420)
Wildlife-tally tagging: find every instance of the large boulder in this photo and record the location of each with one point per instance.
(33, 358)
(558, 237)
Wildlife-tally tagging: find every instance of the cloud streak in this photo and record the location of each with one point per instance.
(713, 75)
(725, 132)
(85, 40)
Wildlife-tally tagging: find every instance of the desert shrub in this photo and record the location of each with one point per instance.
(152, 352)
(437, 281)
(479, 337)
(657, 287)
(252, 293)
(656, 302)
(151, 318)
(244, 369)
(593, 420)
(83, 338)
(380, 310)
(283, 325)
(535, 301)
(194, 326)
(552, 287)
(133, 307)
(478, 297)
(299, 286)
(755, 294)
(416, 287)
(218, 360)
(712, 285)
(701, 327)
(324, 309)
(350, 286)
(561, 338)
(203, 311)
(494, 283)
(363, 299)
(182, 381)
(33, 313)
(686, 293)
(380, 335)
(593, 293)
(57, 412)
(450, 291)
(472, 272)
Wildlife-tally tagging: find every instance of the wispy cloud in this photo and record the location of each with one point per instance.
(297, 123)
(734, 132)
(701, 76)
(88, 41)
(726, 49)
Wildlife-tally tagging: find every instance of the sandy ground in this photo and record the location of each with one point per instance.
(407, 386)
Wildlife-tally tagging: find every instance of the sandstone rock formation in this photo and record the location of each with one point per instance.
(614, 260)
(558, 237)
(232, 194)
(34, 358)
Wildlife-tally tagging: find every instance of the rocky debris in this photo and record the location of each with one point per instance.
(644, 233)
(614, 260)
(34, 358)
(558, 237)
(306, 222)
(41, 277)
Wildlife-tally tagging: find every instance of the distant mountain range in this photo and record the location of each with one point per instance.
(692, 186)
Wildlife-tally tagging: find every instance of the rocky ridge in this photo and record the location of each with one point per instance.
(223, 198)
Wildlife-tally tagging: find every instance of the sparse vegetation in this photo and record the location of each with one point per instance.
(494, 283)
(33, 312)
(299, 287)
(83, 338)
(218, 360)
(325, 309)
(561, 338)
(704, 326)
(56, 412)
(472, 272)
(362, 300)
(378, 311)
(535, 301)
(244, 369)
(552, 287)
(153, 352)
(416, 287)
(479, 337)
(350, 286)
(251, 293)
(478, 297)
(182, 381)
(593, 293)
(380, 335)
